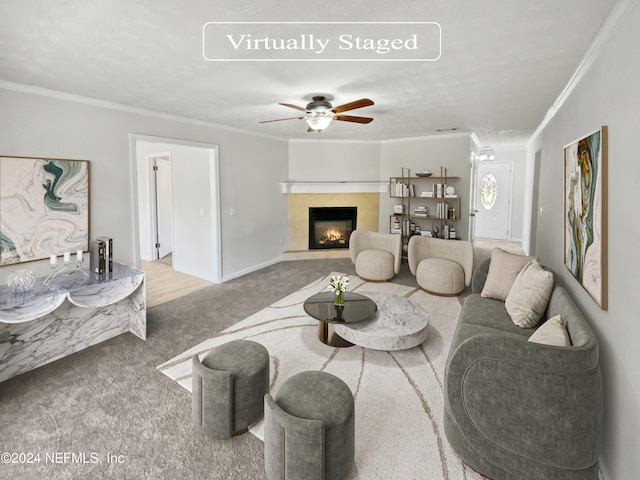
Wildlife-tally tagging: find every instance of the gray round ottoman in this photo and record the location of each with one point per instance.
(309, 429)
(228, 388)
(440, 276)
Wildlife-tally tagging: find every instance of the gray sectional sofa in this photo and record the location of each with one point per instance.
(521, 410)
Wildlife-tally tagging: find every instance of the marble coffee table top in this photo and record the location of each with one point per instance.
(399, 324)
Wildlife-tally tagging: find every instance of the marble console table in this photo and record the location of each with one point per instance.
(73, 312)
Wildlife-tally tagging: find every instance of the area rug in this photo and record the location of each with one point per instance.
(398, 395)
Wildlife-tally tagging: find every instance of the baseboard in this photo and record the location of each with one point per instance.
(194, 273)
(226, 278)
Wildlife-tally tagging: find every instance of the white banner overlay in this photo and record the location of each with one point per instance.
(322, 41)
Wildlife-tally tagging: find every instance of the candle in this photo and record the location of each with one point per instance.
(79, 256)
(53, 260)
(67, 257)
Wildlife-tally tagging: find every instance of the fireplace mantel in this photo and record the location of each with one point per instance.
(334, 187)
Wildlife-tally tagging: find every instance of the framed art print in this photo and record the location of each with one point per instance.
(44, 208)
(585, 213)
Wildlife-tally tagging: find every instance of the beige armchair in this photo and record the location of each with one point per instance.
(376, 255)
(441, 267)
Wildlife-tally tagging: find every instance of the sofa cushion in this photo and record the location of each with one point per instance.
(503, 270)
(529, 296)
(552, 332)
(485, 315)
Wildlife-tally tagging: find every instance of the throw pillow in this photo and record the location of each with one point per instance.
(503, 270)
(552, 332)
(530, 295)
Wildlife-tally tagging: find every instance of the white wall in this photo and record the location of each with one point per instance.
(191, 177)
(191, 203)
(430, 153)
(321, 160)
(607, 95)
(251, 168)
(193, 237)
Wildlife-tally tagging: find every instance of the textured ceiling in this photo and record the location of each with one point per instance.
(503, 62)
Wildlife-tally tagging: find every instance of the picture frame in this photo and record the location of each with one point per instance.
(585, 212)
(44, 208)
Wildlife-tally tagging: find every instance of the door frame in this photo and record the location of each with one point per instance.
(153, 203)
(214, 169)
(474, 190)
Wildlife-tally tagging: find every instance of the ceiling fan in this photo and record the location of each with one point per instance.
(319, 113)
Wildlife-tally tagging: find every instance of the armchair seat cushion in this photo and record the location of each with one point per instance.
(375, 265)
(441, 267)
(376, 256)
(441, 276)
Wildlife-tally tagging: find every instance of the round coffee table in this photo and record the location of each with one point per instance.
(399, 324)
(320, 306)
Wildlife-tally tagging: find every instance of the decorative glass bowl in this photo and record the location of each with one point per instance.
(21, 281)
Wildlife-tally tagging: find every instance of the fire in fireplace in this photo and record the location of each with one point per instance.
(330, 227)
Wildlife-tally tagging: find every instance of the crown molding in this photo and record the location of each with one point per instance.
(611, 24)
(429, 136)
(326, 140)
(292, 186)
(94, 102)
(475, 141)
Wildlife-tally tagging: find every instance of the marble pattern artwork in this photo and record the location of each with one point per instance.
(44, 208)
(585, 213)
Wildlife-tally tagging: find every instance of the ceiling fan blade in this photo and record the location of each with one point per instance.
(350, 118)
(281, 119)
(363, 102)
(293, 106)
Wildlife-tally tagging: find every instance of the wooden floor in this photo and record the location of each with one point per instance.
(164, 283)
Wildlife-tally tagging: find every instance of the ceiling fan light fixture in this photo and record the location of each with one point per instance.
(319, 121)
(320, 113)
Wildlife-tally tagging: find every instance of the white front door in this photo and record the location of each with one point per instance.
(163, 205)
(493, 200)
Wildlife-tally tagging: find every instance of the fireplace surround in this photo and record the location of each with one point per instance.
(330, 227)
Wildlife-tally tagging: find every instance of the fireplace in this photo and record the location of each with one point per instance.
(330, 227)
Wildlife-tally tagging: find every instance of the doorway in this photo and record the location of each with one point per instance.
(177, 190)
(492, 199)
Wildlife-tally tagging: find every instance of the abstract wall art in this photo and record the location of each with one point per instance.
(44, 208)
(585, 213)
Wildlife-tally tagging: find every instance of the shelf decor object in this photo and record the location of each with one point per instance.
(21, 281)
(46, 201)
(585, 213)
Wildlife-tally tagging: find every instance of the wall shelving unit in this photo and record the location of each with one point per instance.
(427, 204)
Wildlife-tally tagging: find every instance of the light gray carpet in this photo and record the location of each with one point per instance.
(398, 395)
(110, 399)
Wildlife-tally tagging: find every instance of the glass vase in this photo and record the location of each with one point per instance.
(21, 281)
(339, 301)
